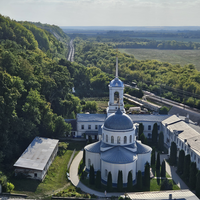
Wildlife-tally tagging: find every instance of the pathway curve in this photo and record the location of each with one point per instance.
(77, 183)
(73, 173)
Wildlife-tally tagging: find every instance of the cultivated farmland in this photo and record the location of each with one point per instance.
(174, 57)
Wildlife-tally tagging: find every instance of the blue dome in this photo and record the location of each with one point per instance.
(118, 121)
(116, 83)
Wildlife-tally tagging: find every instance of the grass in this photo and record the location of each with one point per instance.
(182, 57)
(55, 179)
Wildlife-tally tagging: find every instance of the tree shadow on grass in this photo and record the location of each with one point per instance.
(158, 176)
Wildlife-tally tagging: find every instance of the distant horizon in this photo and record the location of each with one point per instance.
(104, 12)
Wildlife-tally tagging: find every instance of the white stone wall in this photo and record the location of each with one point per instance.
(107, 137)
(94, 160)
(142, 160)
(81, 131)
(114, 168)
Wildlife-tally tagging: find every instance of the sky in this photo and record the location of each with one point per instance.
(104, 12)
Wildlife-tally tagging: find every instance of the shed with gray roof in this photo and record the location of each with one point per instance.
(37, 158)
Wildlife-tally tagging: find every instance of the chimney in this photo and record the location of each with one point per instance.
(187, 118)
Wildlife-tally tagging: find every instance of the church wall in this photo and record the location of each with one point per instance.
(118, 134)
(142, 160)
(114, 168)
(94, 160)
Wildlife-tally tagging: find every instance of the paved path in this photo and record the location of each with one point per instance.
(73, 173)
(171, 170)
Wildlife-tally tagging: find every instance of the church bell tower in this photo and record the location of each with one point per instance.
(116, 92)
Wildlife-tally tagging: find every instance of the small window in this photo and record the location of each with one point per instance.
(106, 173)
(125, 139)
(89, 126)
(130, 139)
(96, 126)
(195, 157)
(182, 145)
(198, 160)
(106, 138)
(176, 140)
(118, 139)
(112, 139)
(179, 143)
(191, 155)
(82, 126)
(149, 127)
(103, 136)
(35, 175)
(158, 127)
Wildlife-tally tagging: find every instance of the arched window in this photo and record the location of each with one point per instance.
(125, 139)
(130, 140)
(112, 139)
(106, 173)
(118, 139)
(116, 97)
(106, 138)
(89, 163)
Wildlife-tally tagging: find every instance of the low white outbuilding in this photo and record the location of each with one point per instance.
(36, 159)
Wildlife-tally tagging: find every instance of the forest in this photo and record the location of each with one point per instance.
(36, 81)
(179, 83)
(36, 84)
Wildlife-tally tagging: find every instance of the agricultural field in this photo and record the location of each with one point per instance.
(182, 57)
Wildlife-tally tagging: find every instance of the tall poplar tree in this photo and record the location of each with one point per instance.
(130, 182)
(193, 173)
(139, 180)
(173, 154)
(120, 181)
(186, 170)
(155, 134)
(109, 182)
(141, 129)
(147, 175)
(198, 184)
(163, 169)
(180, 166)
(161, 141)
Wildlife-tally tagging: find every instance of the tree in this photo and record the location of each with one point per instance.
(120, 181)
(158, 162)
(130, 182)
(197, 189)
(143, 138)
(109, 182)
(163, 169)
(84, 156)
(180, 166)
(173, 154)
(139, 180)
(153, 157)
(141, 129)
(186, 170)
(164, 110)
(147, 175)
(155, 134)
(166, 185)
(161, 141)
(98, 179)
(91, 175)
(193, 173)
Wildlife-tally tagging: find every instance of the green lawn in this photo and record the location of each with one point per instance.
(55, 179)
(181, 57)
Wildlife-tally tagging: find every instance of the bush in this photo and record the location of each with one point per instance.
(166, 185)
(10, 187)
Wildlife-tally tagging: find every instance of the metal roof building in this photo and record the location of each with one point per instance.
(36, 159)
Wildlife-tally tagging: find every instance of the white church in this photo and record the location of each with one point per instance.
(117, 148)
(112, 139)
